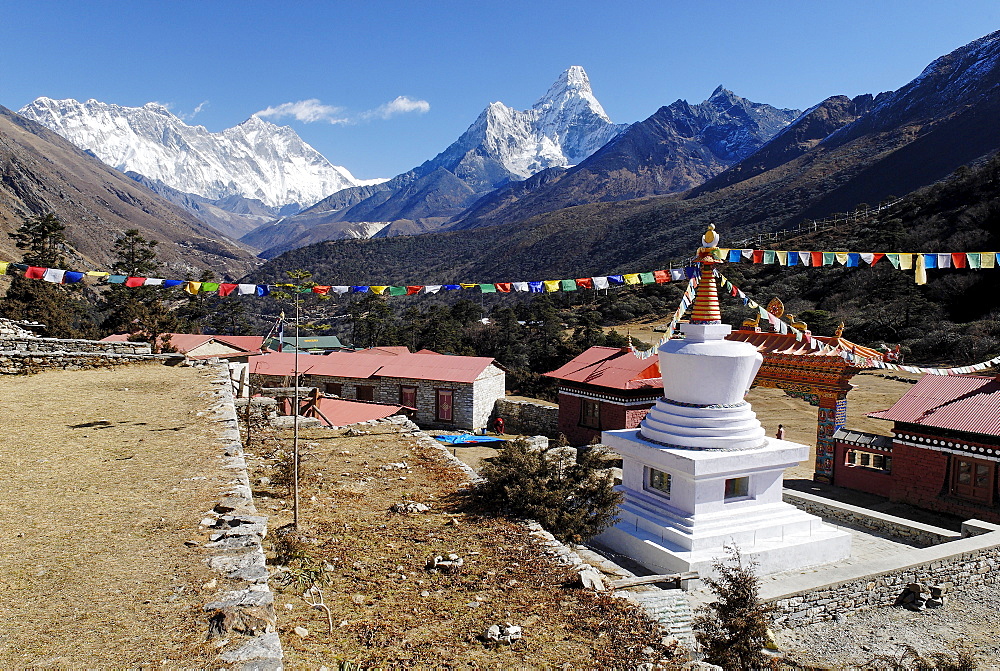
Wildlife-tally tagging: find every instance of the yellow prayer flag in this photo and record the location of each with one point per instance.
(782, 258)
(97, 273)
(841, 258)
(631, 278)
(551, 285)
(906, 261)
(921, 273)
(192, 287)
(988, 260)
(3, 267)
(466, 285)
(378, 290)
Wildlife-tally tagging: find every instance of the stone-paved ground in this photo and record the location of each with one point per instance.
(970, 616)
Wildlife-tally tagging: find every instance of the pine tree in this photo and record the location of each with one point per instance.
(733, 630)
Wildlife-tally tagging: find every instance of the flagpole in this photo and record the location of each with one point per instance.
(295, 429)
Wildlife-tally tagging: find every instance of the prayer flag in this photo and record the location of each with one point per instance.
(867, 257)
(397, 291)
(35, 272)
(432, 288)
(20, 267)
(747, 254)
(247, 289)
(782, 258)
(173, 283)
(647, 278)
(535, 287)
(600, 282)
(678, 274)
(551, 285)
(973, 258)
(72, 277)
(840, 257)
(921, 272)
(758, 255)
(209, 286)
(631, 278)
(120, 279)
(585, 283)
(153, 282)
(734, 255)
(54, 275)
(413, 289)
(817, 259)
(3, 267)
(567, 285)
(520, 286)
(340, 289)
(944, 260)
(190, 287)
(226, 288)
(691, 272)
(467, 285)
(958, 259)
(853, 259)
(616, 279)
(96, 273)
(357, 289)
(828, 258)
(661, 276)
(487, 289)
(503, 287)
(805, 258)
(793, 258)
(380, 289)
(905, 261)
(321, 289)
(452, 287)
(930, 260)
(770, 256)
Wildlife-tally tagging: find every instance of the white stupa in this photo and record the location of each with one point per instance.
(699, 473)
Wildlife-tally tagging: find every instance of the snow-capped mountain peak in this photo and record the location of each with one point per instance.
(255, 159)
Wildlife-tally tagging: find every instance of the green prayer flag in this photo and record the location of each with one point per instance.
(768, 256)
(894, 260)
(487, 288)
(568, 285)
(828, 258)
(209, 286)
(397, 291)
(647, 278)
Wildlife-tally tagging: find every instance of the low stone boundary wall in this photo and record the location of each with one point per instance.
(28, 363)
(825, 593)
(72, 345)
(898, 528)
(242, 615)
(527, 417)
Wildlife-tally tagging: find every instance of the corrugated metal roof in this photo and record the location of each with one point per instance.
(863, 439)
(959, 402)
(185, 342)
(612, 368)
(341, 412)
(365, 364)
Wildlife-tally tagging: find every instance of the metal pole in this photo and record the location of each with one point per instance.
(295, 429)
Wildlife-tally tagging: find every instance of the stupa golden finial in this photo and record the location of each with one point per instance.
(709, 250)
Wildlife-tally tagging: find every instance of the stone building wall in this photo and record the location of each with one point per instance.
(24, 355)
(72, 346)
(527, 417)
(821, 595)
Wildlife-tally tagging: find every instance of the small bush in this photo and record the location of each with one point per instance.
(573, 500)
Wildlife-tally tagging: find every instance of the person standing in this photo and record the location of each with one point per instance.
(498, 425)
(780, 434)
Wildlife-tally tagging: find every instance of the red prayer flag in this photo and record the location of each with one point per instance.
(758, 256)
(585, 283)
(34, 272)
(413, 289)
(503, 287)
(661, 276)
(958, 259)
(135, 281)
(876, 257)
(323, 290)
(817, 258)
(226, 289)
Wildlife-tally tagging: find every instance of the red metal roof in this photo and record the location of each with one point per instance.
(958, 402)
(185, 342)
(365, 364)
(389, 350)
(611, 367)
(785, 343)
(341, 412)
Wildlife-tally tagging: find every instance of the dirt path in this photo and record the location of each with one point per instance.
(99, 494)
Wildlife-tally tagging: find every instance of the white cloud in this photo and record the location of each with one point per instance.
(307, 111)
(187, 117)
(399, 105)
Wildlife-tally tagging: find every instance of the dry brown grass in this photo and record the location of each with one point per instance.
(97, 499)
(389, 610)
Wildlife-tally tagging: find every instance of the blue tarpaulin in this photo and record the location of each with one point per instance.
(469, 439)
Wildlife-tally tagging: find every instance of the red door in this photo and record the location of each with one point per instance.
(445, 405)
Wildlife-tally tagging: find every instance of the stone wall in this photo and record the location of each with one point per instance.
(528, 418)
(823, 594)
(27, 363)
(923, 535)
(72, 345)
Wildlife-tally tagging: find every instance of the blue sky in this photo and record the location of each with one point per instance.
(389, 84)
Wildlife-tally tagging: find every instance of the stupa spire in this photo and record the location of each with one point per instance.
(705, 309)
